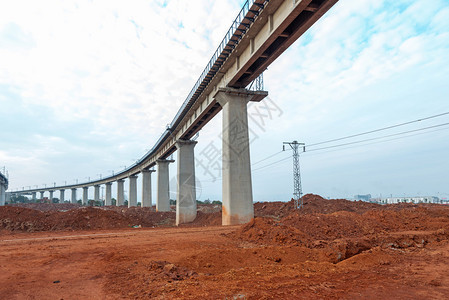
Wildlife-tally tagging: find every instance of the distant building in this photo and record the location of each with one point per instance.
(419, 199)
(366, 197)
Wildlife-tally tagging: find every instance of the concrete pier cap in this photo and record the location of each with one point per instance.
(237, 191)
(186, 189)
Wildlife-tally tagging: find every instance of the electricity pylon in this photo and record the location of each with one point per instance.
(297, 189)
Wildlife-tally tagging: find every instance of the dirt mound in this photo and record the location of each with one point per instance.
(321, 222)
(19, 218)
(169, 271)
(276, 222)
(84, 218)
(268, 231)
(274, 210)
(209, 208)
(48, 206)
(206, 219)
(24, 219)
(317, 252)
(89, 217)
(144, 216)
(312, 204)
(317, 204)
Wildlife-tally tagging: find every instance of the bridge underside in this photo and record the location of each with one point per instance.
(300, 19)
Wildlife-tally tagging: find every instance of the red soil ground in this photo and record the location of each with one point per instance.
(331, 249)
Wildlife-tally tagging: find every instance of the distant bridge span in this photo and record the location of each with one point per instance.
(261, 32)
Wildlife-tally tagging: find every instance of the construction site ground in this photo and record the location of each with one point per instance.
(330, 249)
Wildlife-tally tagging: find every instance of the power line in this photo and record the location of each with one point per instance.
(355, 142)
(268, 157)
(345, 144)
(377, 138)
(273, 163)
(264, 159)
(380, 129)
(389, 140)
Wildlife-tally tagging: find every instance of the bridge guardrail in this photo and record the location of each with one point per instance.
(250, 10)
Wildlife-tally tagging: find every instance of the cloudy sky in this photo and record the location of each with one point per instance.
(87, 87)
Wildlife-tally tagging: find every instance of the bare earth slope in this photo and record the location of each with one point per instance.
(331, 249)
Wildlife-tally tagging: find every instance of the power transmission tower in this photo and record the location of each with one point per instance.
(297, 189)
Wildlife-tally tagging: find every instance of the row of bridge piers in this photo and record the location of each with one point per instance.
(237, 195)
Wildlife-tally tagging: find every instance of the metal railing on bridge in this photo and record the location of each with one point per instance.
(246, 17)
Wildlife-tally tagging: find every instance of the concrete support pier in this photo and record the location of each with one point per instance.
(163, 188)
(132, 201)
(186, 191)
(2, 195)
(61, 196)
(85, 195)
(74, 201)
(237, 186)
(51, 197)
(33, 196)
(120, 193)
(146, 188)
(108, 199)
(42, 195)
(97, 193)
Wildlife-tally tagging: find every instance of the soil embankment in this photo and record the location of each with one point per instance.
(330, 249)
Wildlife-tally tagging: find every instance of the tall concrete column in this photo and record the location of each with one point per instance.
(120, 192)
(146, 188)
(42, 195)
(2, 195)
(237, 186)
(163, 187)
(7, 198)
(97, 193)
(186, 191)
(132, 201)
(61, 196)
(85, 195)
(33, 196)
(51, 196)
(74, 196)
(108, 200)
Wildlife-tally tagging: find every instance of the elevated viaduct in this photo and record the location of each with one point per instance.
(260, 33)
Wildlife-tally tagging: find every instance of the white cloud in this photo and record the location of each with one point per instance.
(99, 80)
(128, 66)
